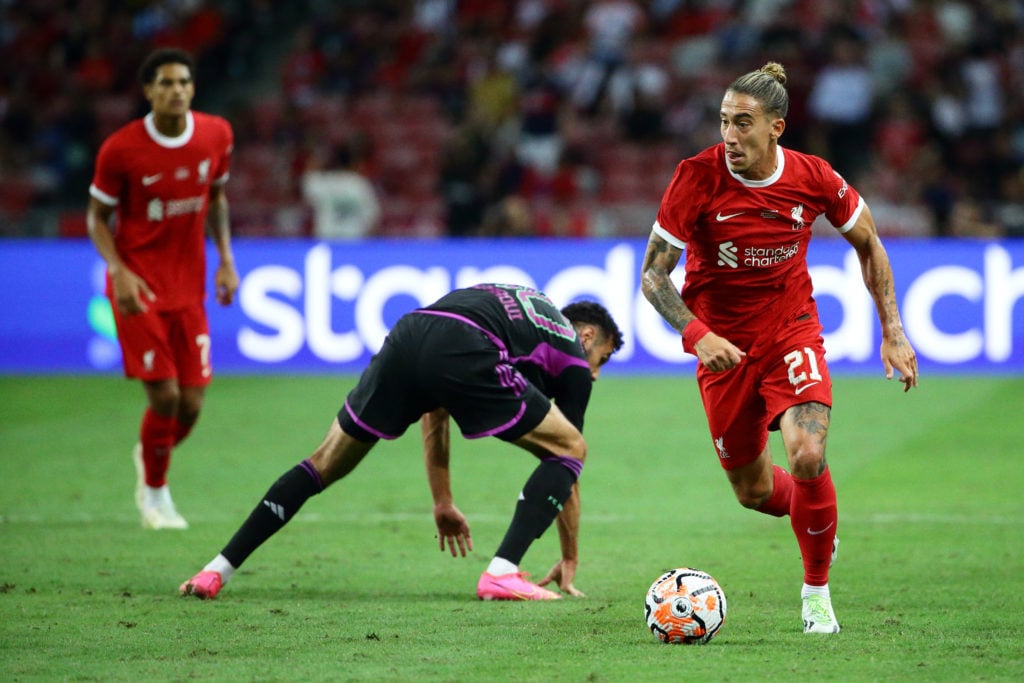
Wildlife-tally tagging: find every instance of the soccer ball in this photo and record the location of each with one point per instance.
(685, 605)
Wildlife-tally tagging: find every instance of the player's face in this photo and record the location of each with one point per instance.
(171, 91)
(598, 349)
(749, 136)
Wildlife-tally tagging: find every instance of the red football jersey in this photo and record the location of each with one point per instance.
(161, 189)
(746, 240)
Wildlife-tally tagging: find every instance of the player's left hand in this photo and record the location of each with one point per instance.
(453, 529)
(226, 283)
(563, 574)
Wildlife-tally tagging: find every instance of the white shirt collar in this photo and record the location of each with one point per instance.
(169, 142)
(779, 166)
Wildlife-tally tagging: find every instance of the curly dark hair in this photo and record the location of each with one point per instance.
(165, 55)
(593, 313)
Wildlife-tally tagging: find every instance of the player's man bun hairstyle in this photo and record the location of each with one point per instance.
(593, 313)
(165, 55)
(767, 85)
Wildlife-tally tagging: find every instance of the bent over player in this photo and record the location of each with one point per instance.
(501, 360)
(164, 175)
(743, 211)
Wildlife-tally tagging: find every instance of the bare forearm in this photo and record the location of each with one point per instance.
(657, 286)
(568, 523)
(876, 271)
(219, 224)
(97, 221)
(878, 279)
(667, 303)
(434, 427)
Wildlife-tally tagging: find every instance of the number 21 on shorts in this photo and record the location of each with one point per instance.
(803, 368)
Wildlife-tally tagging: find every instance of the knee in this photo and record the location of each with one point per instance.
(752, 495)
(165, 398)
(189, 407)
(577, 448)
(807, 461)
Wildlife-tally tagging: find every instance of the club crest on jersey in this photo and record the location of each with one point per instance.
(797, 214)
(204, 172)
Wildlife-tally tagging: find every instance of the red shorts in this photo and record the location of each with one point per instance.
(744, 403)
(158, 345)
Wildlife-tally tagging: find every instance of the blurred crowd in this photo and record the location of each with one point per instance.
(520, 117)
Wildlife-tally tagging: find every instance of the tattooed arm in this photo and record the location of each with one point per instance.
(659, 262)
(661, 258)
(896, 351)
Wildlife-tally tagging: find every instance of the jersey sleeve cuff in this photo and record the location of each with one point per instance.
(848, 225)
(102, 196)
(667, 236)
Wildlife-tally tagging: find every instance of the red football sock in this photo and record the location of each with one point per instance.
(181, 430)
(157, 437)
(813, 515)
(779, 503)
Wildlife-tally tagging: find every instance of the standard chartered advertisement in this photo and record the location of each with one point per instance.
(307, 307)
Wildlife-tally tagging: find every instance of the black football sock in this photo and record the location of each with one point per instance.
(278, 506)
(540, 502)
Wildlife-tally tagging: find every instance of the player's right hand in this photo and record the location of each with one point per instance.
(452, 529)
(717, 353)
(131, 292)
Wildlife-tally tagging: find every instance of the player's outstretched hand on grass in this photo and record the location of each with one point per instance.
(453, 529)
(563, 574)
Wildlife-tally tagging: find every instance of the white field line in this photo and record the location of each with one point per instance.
(372, 518)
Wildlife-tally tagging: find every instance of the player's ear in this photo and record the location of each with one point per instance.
(778, 126)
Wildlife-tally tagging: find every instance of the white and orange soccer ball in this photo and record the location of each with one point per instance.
(685, 605)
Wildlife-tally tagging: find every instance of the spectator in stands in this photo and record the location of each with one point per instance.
(841, 103)
(900, 134)
(639, 94)
(969, 219)
(303, 68)
(542, 108)
(511, 216)
(462, 182)
(345, 203)
(964, 60)
(1009, 209)
(610, 25)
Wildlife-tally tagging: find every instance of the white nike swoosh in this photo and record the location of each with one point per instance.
(150, 179)
(721, 218)
(806, 386)
(820, 531)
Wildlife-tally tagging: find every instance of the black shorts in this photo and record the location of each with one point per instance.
(436, 360)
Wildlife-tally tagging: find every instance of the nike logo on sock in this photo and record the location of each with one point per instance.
(812, 532)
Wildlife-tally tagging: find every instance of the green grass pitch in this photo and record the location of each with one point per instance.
(929, 585)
